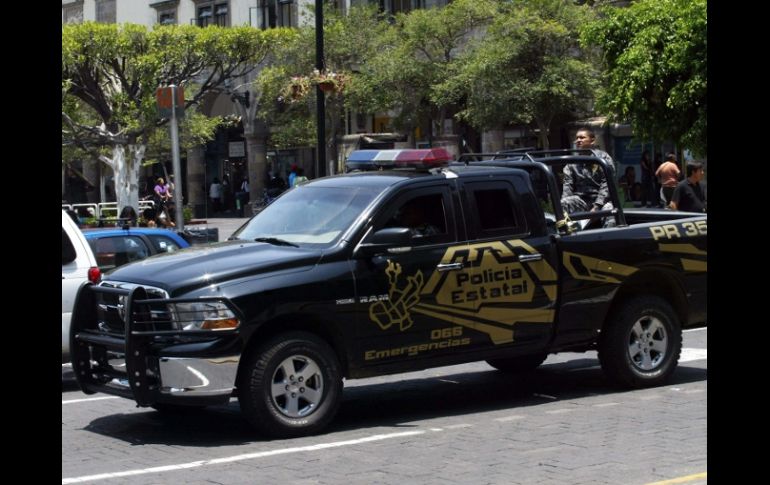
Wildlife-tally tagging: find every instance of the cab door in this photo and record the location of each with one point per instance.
(506, 293)
(400, 317)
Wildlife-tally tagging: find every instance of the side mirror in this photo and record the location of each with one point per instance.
(389, 239)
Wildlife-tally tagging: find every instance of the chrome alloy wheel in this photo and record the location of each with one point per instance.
(647, 343)
(297, 386)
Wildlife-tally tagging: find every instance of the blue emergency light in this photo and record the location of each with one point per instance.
(361, 160)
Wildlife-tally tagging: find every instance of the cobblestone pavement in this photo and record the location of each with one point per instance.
(466, 424)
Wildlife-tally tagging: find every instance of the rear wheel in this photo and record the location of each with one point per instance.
(642, 342)
(291, 386)
(518, 364)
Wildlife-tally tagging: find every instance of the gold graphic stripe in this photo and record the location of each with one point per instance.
(497, 334)
(435, 314)
(681, 248)
(505, 316)
(598, 269)
(550, 291)
(693, 265)
(542, 269)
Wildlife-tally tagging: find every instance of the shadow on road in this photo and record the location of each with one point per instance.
(386, 404)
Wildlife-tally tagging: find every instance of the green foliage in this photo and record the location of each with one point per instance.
(416, 55)
(110, 74)
(194, 130)
(187, 213)
(527, 68)
(655, 55)
(349, 41)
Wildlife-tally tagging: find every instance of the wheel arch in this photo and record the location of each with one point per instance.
(296, 322)
(659, 282)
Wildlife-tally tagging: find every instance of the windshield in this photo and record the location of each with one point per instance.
(308, 215)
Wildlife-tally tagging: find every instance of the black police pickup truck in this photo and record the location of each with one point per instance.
(379, 272)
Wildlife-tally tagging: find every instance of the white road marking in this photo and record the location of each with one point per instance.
(230, 459)
(694, 330)
(605, 404)
(545, 396)
(89, 399)
(689, 355)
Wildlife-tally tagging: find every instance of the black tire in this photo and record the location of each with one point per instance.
(522, 363)
(298, 404)
(641, 343)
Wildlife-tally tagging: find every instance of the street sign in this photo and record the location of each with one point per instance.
(170, 98)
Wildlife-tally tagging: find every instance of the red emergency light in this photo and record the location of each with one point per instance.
(423, 158)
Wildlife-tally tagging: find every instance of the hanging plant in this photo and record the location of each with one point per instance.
(330, 81)
(297, 89)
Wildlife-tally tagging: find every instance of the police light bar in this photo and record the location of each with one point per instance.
(386, 158)
(397, 158)
(371, 159)
(361, 160)
(423, 158)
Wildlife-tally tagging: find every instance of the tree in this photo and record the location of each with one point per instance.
(417, 56)
(110, 74)
(287, 90)
(527, 68)
(655, 55)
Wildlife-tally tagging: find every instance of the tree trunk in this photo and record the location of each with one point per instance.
(125, 165)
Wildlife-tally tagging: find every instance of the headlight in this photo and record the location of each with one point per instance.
(203, 315)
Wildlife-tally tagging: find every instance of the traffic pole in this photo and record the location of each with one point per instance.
(175, 162)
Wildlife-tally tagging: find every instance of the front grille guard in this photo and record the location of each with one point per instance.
(91, 345)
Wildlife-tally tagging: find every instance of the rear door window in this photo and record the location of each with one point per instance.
(494, 209)
(114, 251)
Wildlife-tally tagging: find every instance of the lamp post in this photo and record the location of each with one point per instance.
(320, 101)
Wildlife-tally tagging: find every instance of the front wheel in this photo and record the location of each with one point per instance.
(641, 344)
(291, 386)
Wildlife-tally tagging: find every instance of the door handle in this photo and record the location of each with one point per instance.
(530, 257)
(449, 267)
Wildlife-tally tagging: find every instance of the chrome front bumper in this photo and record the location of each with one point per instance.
(189, 377)
(198, 377)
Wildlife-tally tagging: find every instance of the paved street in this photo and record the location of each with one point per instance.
(458, 424)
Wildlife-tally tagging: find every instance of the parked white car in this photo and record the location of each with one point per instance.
(78, 264)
